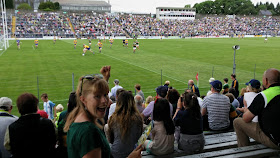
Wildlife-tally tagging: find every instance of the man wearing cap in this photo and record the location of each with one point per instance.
(117, 86)
(253, 88)
(194, 88)
(217, 106)
(161, 93)
(266, 106)
(5, 120)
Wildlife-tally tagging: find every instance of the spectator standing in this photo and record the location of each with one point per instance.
(266, 106)
(125, 126)
(115, 88)
(139, 91)
(49, 106)
(225, 86)
(217, 106)
(6, 119)
(31, 135)
(194, 88)
(235, 85)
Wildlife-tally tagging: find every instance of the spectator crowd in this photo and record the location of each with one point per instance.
(92, 25)
(100, 122)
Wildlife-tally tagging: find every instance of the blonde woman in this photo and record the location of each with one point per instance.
(85, 138)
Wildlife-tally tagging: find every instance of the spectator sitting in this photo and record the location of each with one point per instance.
(6, 119)
(209, 92)
(162, 142)
(266, 106)
(26, 131)
(61, 149)
(113, 106)
(139, 91)
(139, 103)
(85, 137)
(42, 113)
(173, 96)
(217, 106)
(235, 102)
(241, 97)
(161, 93)
(59, 109)
(254, 87)
(166, 84)
(232, 112)
(125, 126)
(190, 121)
(148, 100)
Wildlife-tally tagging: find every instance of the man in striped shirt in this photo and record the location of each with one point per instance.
(217, 106)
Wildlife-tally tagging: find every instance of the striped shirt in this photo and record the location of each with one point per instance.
(218, 107)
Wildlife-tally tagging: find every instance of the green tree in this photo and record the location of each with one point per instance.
(24, 6)
(9, 4)
(277, 9)
(204, 7)
(49, 6)
(56, 6)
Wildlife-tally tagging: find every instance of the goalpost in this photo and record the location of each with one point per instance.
(4, 38)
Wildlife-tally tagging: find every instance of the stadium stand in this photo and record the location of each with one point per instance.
(31, 25)
(223, 145)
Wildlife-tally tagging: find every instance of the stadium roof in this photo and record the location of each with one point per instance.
(83, 3)
(175, 8)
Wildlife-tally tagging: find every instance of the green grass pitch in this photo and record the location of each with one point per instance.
(178, 60)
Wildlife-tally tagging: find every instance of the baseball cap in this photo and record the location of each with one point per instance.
(254, 83)
(5, 103)
(116, 81)
(217, 85)
(162, 91)
(211, 79)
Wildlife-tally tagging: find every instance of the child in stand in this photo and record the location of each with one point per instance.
(162, 142)
(191, 125)
(59, 109)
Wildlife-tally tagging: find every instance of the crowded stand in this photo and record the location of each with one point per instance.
(30, 25)
(170, 123)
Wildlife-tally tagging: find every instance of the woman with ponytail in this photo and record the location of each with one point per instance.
(162, 142)
(190, 122)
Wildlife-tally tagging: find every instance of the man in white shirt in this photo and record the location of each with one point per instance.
(117, 86)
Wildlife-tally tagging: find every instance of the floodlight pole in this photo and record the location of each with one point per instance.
(234, 65)
(6, 28)
(3, 22)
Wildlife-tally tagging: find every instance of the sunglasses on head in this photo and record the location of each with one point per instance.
(88, 77)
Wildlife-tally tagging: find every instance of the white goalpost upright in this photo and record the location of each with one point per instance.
(4, 39)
